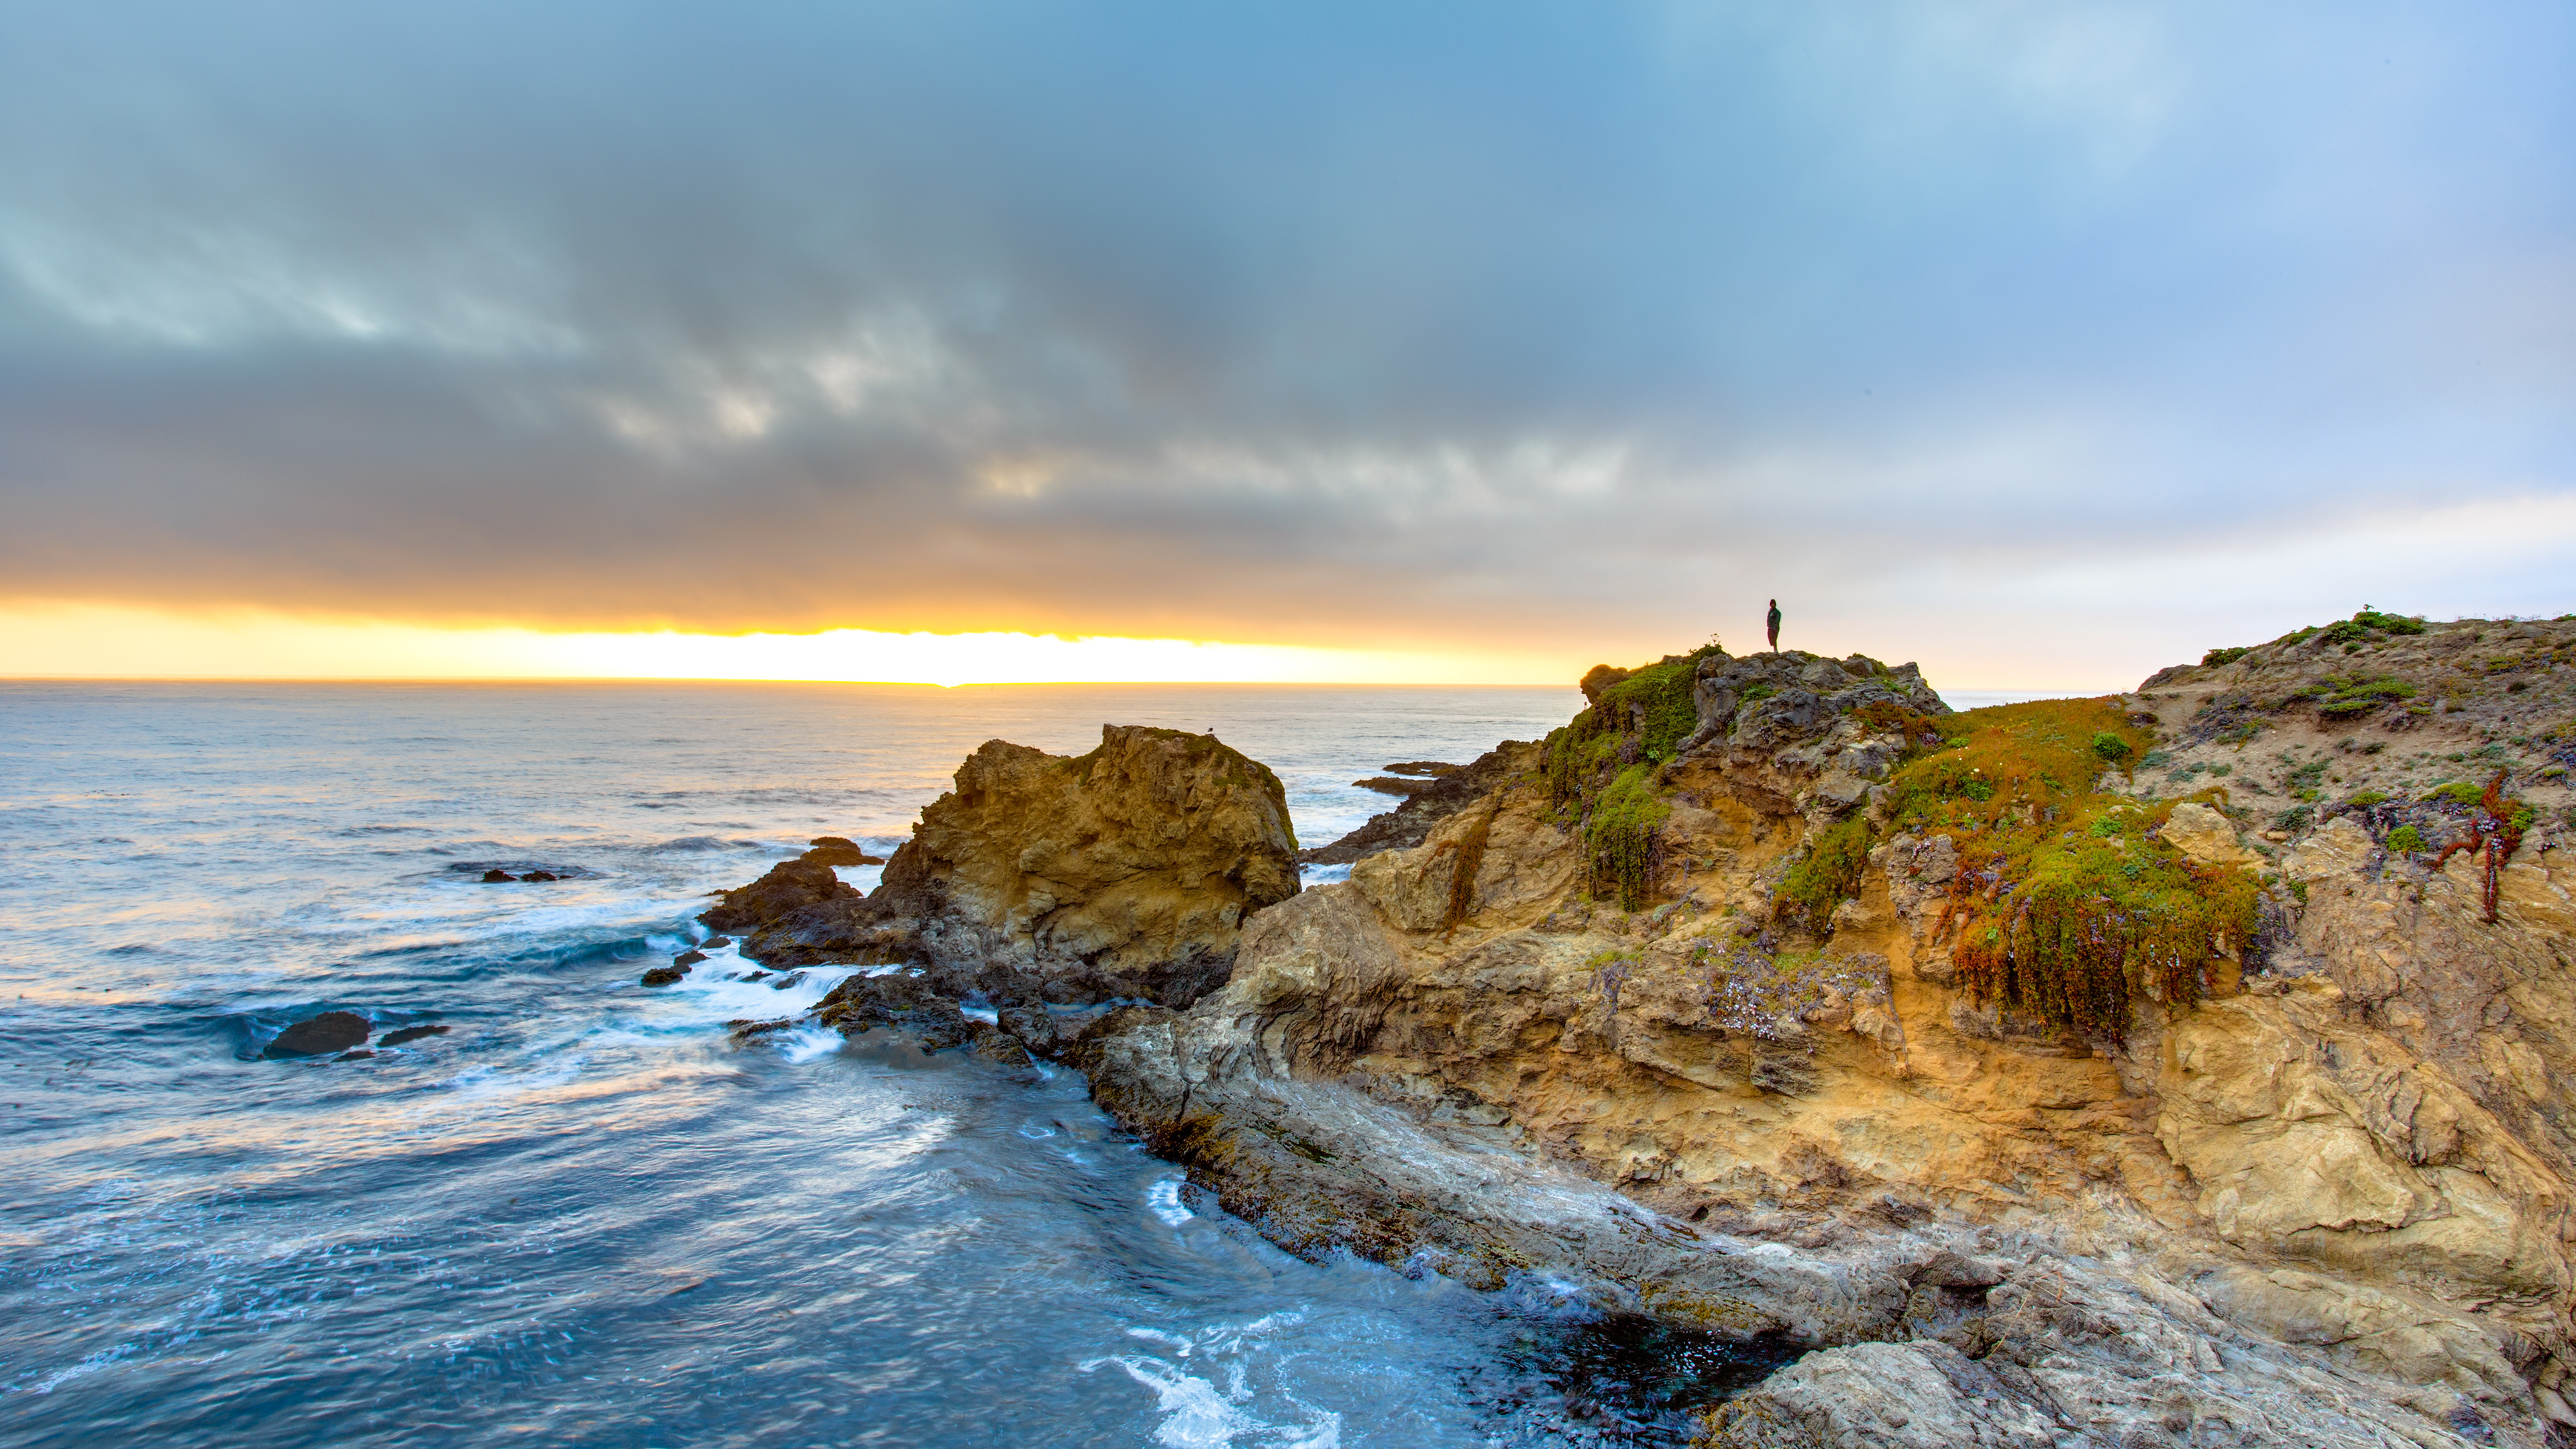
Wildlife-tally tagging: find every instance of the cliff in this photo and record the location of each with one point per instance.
(2060, 1085)
(2185, 1067)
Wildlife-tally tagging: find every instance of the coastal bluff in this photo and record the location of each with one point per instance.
(2194, 1066)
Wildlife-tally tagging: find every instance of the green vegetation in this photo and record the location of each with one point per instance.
(2062, 909)
(1619, 840)
(2111, 747)
(2368, 623)
(2347, 695)
(2216, 657)
(1661, 693)
(2364, 799)
(2458, 792)
(1829, 874)
(2407, 838)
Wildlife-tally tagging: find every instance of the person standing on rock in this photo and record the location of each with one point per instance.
(1771, 625)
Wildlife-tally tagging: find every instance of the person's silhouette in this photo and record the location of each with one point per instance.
(1771, 625)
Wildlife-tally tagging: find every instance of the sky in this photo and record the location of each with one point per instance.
(2042, 343)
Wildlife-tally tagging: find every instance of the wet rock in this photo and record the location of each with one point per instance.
(410, 1033)
(995, 1045)
(1389, 785)
(664, 975)
(792, 978)
(1433, 768)
(541, 875)
(688, 958)
(356, 1056)
(1034, 1025)
(757, 976)
(496, 876)
(332, 1031)
(838, 850)
(903, 1003)
(712, 943)
(799, 914)
(746, 1029)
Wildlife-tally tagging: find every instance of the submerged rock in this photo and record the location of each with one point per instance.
(541, 875)
(410, 1033)
(332, 1031)
(664, 975)
(496, 876)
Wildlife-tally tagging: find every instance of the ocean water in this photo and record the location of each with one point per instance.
(581, 1215)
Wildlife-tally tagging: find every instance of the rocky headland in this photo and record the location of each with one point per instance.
(2186, 1067)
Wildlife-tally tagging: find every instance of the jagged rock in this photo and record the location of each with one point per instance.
(540, 875)
(2330, 1209)
(1034, 1025)
(1430, 768)
(1390, 785)
(496, 875)
(663, 975)
(799, 914)
(1000, 1047)
(902, 1002)
(332, 1031)
(688, 958)
(1408, 824)
(411, 1033)
(1125, 872)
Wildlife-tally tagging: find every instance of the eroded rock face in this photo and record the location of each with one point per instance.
(2330, 1209)
(1127, 872)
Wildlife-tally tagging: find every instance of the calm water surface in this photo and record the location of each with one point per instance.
(581, 1216)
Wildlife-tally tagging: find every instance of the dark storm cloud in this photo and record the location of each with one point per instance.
(1339, 324)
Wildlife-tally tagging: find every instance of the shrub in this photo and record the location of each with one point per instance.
(2111, 748)
(2296, 818)
(2456, 793)
(2216, 657)
(2054, 916)
(1827, 876)
(2407, 838)
(2364, 799)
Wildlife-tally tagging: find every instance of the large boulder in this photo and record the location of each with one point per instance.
(1126, 872)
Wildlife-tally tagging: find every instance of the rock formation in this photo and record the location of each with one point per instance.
(2304, 1183)
(2190, 1067)
(1126, 872)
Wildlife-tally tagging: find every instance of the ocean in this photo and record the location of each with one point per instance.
(580, 1215)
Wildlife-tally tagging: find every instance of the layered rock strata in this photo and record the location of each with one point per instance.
(2326, 1207)
(2321, 1199)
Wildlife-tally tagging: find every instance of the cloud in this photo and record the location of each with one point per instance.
(1375, 327)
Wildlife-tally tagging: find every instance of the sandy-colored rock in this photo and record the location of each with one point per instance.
(1125, 872)
(2205, 836)
(2328, 1210)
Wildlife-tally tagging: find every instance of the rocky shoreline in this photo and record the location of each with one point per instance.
(2046, 1079)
